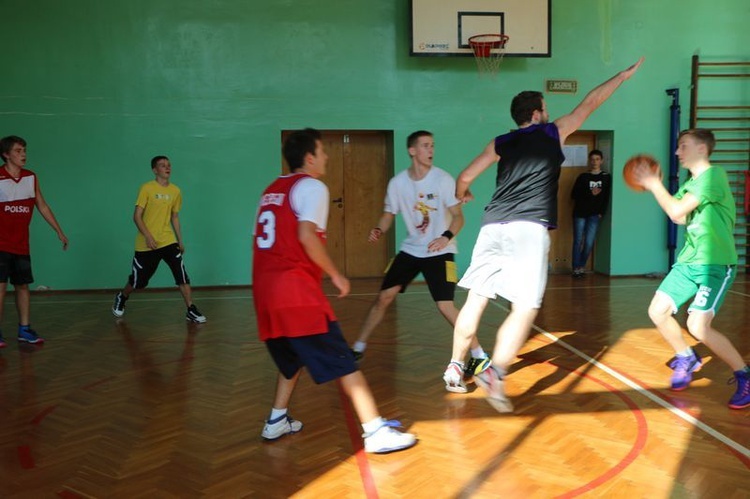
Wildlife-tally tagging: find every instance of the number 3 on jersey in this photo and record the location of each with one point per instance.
(268, 220)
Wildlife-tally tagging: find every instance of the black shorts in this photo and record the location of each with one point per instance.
(439, 272)
(146, 262)
(16, 268)
(327, 356)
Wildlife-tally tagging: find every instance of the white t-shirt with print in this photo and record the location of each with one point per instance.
(423, 205)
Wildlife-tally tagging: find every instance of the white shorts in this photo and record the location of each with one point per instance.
(510, 260)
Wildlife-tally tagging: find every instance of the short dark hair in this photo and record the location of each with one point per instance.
(596, 152)
(702, 136)
(7, 143)
(298, 144)
(412, 139)
(156, 159)
(524, 104)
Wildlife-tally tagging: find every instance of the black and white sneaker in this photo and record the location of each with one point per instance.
(194, 315)
(118, 309)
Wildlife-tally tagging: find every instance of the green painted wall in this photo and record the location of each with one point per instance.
(97, 88)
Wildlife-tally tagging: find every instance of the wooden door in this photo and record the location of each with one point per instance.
(368, 165)
(561, 240)
(334, 179)
(360, 163)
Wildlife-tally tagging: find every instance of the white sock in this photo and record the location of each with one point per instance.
(478, 353)
(459, 362)
(685, 353)
(276, 413)
(373, 425)
(359, 346)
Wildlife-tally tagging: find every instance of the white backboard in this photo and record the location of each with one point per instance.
(443, 27)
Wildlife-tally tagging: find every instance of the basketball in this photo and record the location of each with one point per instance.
(632, 163)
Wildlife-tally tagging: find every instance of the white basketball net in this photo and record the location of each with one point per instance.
(488, 52)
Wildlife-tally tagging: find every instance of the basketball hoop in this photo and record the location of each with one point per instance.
(488, 51)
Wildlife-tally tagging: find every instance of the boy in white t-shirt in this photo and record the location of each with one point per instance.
(425, 196)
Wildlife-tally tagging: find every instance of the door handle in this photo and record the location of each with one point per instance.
(339, 200)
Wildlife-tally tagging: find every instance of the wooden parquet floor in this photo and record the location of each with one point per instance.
(152, 407)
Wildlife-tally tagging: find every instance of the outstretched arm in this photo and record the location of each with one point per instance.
(47, 214)
(569, 123)
(485, 159)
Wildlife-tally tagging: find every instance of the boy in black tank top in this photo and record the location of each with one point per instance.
(511, 253)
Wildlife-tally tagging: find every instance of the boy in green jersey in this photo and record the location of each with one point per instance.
(705, 267)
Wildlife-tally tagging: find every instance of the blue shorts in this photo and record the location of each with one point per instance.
(327, 356)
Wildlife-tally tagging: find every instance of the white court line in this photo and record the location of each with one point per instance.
(178, 297)
(250, 295)
(671, 408)
(141, 300)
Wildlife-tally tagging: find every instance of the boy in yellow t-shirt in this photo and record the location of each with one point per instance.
(159, 238)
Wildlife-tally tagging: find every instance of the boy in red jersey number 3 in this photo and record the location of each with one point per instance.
(294, 317)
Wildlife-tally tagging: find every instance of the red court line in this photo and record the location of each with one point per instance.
(25, 457)
(543, 338)
(677, 403)
(368, 482)
(97, 383)
(639, 444)
(38, 418)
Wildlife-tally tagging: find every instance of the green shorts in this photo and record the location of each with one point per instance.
(707, 285)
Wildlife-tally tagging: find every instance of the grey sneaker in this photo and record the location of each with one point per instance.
(492, 383)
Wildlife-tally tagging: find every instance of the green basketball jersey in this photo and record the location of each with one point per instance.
(709, 238)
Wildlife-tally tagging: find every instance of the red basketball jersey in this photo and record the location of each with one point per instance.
(287, 292)
(17, 200)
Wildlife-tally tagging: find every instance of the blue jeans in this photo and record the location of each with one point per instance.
(584, 234)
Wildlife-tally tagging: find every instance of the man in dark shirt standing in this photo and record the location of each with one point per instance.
(510, 256)
(590, 196)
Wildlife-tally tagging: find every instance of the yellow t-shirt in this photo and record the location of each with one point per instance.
(158, 204)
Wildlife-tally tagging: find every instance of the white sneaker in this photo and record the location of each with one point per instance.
(387, 439)
(491, 382)
(454, 378)
(280, 426)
